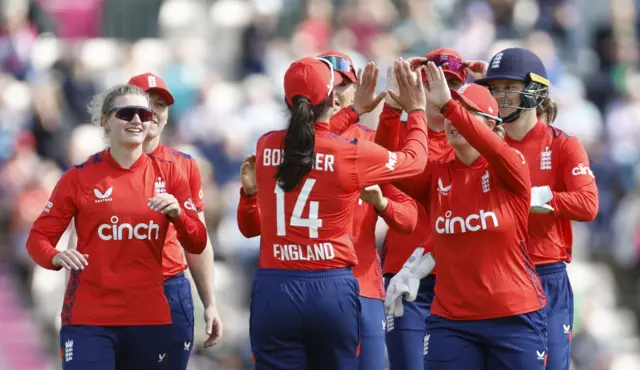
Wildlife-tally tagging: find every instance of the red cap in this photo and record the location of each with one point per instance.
(351, 75)
(477, 97)
(311, 78)
(461, 74)
(150, 82)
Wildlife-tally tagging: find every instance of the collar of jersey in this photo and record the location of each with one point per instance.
(112, 162)
(322, 126)
(480, 162)
(158, 149)
(438, 135)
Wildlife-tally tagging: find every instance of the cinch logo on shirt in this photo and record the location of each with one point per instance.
(188, 204)
(116, 231)
(581, 169)
(472, 222)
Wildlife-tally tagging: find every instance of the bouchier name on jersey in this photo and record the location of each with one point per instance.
(309, 227)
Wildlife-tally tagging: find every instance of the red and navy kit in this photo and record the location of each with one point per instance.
(487, 286)
(318, 239)
(401, 213)
(173, 261)
(559, 161)
(399, 246)
(115, 313)
(306, 244)
(479, 217)
(122, 285)
(405, 335)
(177, 288)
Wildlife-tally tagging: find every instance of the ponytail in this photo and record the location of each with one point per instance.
(299, 143)
(547, 110)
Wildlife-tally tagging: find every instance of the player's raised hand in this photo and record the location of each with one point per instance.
(476, 69)
(70, 259)
(410, 95)
(438, 93)
(373, 195)
(392, 85)
(166, 204)
(248, 174)
(213, 326)
(365, 99)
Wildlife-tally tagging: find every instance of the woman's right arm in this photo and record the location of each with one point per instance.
(52, 222)
(376, 165)
(508, 163)
(248, 215)
(342, 120)
(388, 131)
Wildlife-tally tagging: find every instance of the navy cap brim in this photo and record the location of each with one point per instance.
(484, 81)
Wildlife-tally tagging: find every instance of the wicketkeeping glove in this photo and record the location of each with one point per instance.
(540, 196)
(405, 283)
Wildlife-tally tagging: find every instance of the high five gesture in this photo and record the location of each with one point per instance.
(411, 94)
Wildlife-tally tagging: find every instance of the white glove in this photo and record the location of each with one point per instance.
(406, 282)
(540, 196)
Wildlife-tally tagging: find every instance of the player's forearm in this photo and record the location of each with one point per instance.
(248, 215)
(388, 130)
(41, 250)
(192, 234)
(400, 217)
(73, 239)
(575, 205)
(505, 161)
(343, 119)
(201, 267)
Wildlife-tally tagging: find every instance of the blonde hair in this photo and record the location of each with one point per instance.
(102, 103)
(547, 111)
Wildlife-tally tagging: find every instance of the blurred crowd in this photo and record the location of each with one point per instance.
(224, 61)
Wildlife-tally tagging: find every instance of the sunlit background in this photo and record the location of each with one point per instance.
(224, 61)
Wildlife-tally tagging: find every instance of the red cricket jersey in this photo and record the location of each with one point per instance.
(122, 285)
(401, 215)
(479, 216)
(173, 261)
(559, 161)
(308, 228)
(399, 246)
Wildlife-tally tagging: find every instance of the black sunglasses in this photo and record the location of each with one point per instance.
(127, 113)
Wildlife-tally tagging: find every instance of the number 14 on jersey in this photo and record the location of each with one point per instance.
(313, 222)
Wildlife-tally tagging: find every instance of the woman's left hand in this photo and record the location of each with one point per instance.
(165, 203)
(438, 93)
